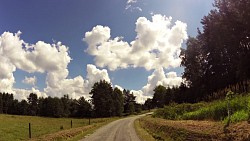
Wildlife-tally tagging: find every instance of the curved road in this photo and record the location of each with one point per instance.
(119, 130)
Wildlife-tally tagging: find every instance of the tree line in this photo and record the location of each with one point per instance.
(218, 57)
(105, 102)
(48, 107)
(216, 60)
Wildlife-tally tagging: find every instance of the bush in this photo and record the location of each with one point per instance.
(176, 111)
(239, 108)
(237, 117)
(167, 112)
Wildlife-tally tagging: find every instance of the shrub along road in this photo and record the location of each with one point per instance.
(119, 130)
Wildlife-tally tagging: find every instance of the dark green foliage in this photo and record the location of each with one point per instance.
(7, 102)
(129, 102)
(160, 94)
(216, 110)
(118, 102)
(148, 104)
(219, 56)
(176, 111)
(1, 103)
(52, 107)
(106, 102)
(33, 104)
(102, 99)
(131, 108)
(83, 108)
(66, 105)
(23, 107)
(138, 108)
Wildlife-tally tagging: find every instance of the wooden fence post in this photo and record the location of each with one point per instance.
(29, 130)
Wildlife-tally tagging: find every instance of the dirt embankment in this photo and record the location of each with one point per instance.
(194, 130)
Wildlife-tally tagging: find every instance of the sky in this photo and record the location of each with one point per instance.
(59, 47)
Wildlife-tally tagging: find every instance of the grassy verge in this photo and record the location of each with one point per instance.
(216, 110)
(13, 127)
(187, 130)
(161, 129)
(141, 132)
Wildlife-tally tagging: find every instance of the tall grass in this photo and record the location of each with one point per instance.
(217, 110)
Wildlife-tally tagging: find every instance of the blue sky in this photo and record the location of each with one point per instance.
(66, 21)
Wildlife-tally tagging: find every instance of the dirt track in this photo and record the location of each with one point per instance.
(120, 130)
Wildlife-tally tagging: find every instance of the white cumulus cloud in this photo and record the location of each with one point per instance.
(30, 80)
(156, 45)
(95, 75)
(160, 78)
(23, 93)
(52, 59)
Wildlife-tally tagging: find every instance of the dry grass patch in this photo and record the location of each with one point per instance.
(162, 129)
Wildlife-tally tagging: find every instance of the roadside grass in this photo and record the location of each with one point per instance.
(216, 110)
(157, 131)
(237, 117)
(142, 132)
(14, 127)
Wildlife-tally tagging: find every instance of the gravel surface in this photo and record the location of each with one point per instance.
(119, 130)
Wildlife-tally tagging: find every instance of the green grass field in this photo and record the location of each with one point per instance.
(14, 127)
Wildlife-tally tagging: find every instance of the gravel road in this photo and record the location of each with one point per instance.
(119, 130)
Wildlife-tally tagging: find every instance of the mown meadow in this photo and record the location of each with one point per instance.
(14, 127)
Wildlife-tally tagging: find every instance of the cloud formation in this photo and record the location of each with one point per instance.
(30, 80)
(52, 59)
(24, 93)
(158, 77)
(156, 45)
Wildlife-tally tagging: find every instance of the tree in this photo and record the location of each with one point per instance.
(159, 96)
(51, 107)
(23, 107)
(66, 105)
(7, 102)
(219, 56)
(33, 104)
(83, 108)
(57, 107)
(138, 107)
(148, 104)
(118, 102)
(102, 98)
(13, 108)
(129, 102)
(1, 103)
(226, 34)
(73, 107)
